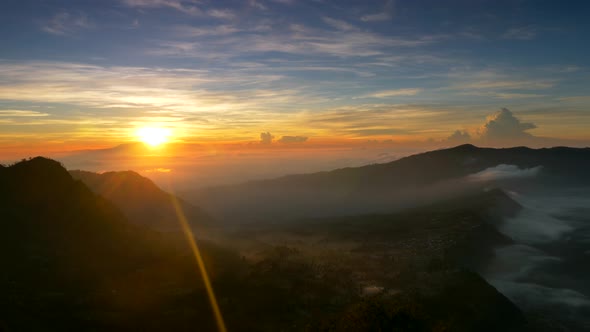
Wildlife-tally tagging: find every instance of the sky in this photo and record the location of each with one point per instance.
(317, 78)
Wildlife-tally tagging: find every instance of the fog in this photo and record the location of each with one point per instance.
(546, 270)
(505, 172)
(349, 192)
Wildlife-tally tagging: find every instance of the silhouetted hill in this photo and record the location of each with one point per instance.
(405, 182)
(141, 200)
(72, 261)
(429, 167)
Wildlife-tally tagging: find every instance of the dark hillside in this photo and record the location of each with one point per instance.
(141, 200)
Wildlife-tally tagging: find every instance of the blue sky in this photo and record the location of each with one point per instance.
(89, 72)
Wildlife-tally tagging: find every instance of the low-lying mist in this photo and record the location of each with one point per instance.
(317, 195)
(546, 270)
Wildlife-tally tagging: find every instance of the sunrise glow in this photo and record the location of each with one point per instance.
(153, 136)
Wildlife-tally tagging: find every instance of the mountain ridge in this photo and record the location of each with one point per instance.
(384, 187)
(142, 201)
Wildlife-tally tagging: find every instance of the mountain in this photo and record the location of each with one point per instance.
(142, 201)
(74, 262)
(403, 183)
(412, 264)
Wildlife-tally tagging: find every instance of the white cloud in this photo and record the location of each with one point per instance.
(504, 172)
(395, 93)
(503, 125)
(21, 113)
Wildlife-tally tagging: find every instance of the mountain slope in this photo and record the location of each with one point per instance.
(72, 261)
(406, 182)
(411, 264)
(141, 200)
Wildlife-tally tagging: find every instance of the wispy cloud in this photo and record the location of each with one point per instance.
(521, 33)
(376, 17)
(385, 15)
(377, 120)
(186, 6)
(518, 95)
(395, 93)
(339, 24)
(65, 23)
(131, 95)
(191, 31)
(507, 84)
(21, 113)
(257, 4)
(298, 39)
(224, 14)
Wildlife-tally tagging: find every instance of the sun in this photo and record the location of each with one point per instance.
(153, 136)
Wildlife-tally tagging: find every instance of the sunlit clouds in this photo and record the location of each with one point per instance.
(306, 73)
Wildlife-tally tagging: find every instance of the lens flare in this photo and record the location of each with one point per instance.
(200, 264)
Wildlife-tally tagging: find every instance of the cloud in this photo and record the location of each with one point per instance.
(376, 120)
(517, 95)
(385, 15)
(376, 17)
(224, 14)
(395, 93)
(339, 24)
(521, 33)
(293, 139)
(266, 138)
(503, 129)
(268, 35)
(65, 23)
(381, 131)
(506, 85)
(21, 113)
(459, 137)
(503, 125)
(532, 295)
(187, 7)
(504, 172)
(257, 5)
(191, 31)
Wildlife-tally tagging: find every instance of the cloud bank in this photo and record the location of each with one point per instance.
(505, 172)
(293, 139)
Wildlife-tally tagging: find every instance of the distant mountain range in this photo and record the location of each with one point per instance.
(409, 181)
(141, 200)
